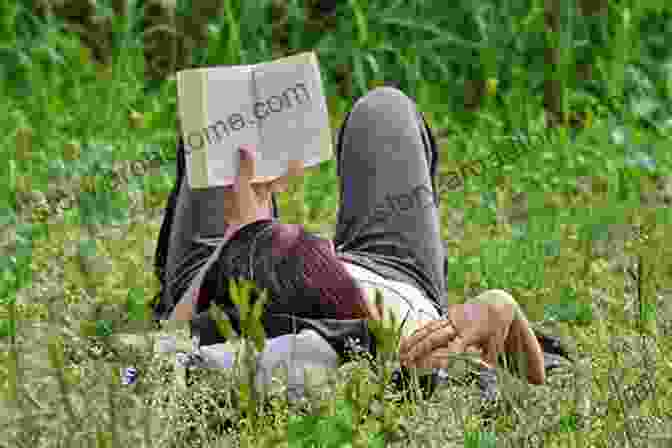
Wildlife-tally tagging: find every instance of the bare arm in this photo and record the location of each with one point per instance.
(522, 342)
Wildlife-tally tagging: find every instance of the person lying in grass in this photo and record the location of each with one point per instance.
(400, 254)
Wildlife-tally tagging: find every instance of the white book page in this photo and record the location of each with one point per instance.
(291, 108)
(231, 123)
(215, 111)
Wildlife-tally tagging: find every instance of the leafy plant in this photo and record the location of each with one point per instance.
(103, 328)
(480, 439)
(327, 432)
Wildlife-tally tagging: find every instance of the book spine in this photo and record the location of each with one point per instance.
(194, 118)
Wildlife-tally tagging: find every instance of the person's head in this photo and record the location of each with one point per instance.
(300, 271)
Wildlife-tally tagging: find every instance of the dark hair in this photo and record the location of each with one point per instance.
(298, 269)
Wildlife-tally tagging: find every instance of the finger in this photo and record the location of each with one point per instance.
(247, 163)
(491, 351)
(245, 197)
(421, 332)
(263, 192)
(443, 357)
(431, 332)
(435, 334)
(407, 343)
(493, 347)
(279, 186)
(440, 358)
(295, 170)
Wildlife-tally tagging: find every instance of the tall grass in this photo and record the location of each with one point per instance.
(77, 273)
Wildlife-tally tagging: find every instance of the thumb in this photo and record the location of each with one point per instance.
(490, 351)
(295, 170)
(244, 197)
(247, 162)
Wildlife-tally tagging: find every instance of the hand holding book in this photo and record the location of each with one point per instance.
(277, 106)
(245, 202)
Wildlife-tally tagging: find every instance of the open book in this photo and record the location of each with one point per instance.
(278, 106)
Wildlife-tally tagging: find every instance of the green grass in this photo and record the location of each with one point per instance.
(64, 381)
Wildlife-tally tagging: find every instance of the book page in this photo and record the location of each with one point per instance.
(230, 112)
(216, 114)
(290, 107)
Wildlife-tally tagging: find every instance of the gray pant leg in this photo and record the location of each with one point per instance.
(388, 219)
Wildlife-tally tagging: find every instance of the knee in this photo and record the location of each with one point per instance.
(494, 296)
(388, 91)
(500, 300)
(382, 99)
(501, 296)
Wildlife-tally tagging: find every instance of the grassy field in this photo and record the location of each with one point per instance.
(576, 225)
